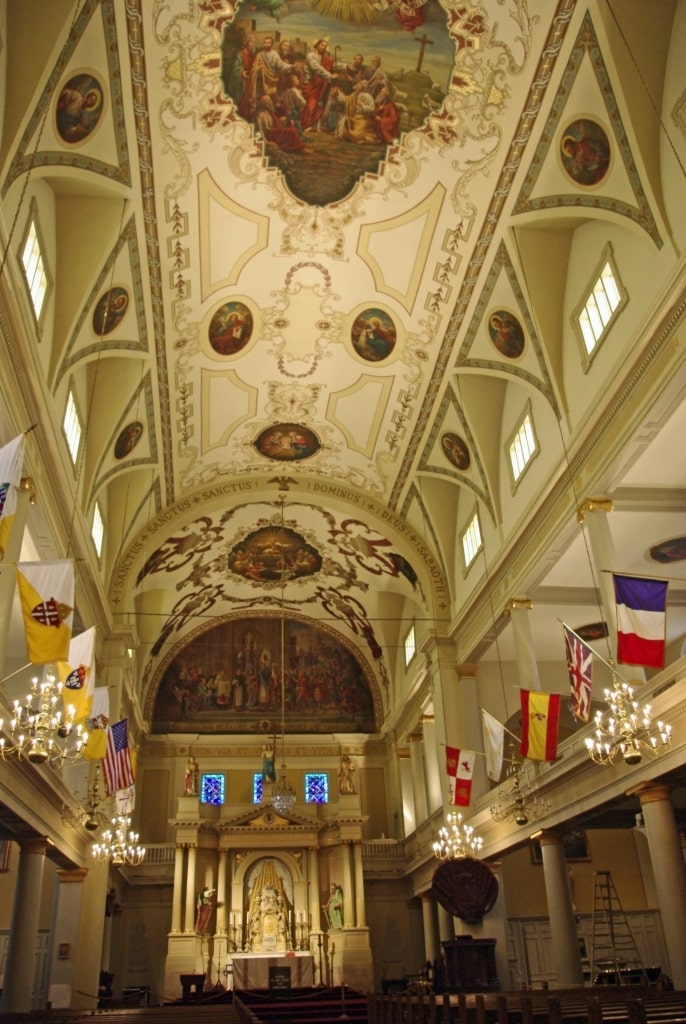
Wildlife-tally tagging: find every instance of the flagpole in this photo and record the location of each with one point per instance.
(645, 576)
(16, 672)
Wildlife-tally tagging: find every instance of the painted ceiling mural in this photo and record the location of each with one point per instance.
(229, 679)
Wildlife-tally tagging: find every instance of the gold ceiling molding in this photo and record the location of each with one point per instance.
(358, 411)
(594, 505)
(226, 402)
(221, 217)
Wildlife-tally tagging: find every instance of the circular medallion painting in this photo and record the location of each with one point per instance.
(230, 328)
(505, 331)
(287, 442)
(79, 106)
(110, 310)
(585, 152)
(592, 631)
(373, 335)
(455, 450)
(128, 439)
(673, 550)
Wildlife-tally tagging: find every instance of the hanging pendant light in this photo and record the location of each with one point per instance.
(40, 731)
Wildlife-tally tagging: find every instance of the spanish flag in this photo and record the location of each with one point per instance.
(78, 674)
(11, 463)
(46, 592)
(540, 720)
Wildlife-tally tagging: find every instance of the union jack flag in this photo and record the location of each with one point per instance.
(580, 667)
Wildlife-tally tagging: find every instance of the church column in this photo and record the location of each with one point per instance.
(527, 668)
(360, 918)
(566, 955)
(409, 819)
(177, 895)
(26, 494)
(418, 777)
(446, 925)
(432, 948)
(189, 922)
(593, 514)
(65, 927)
(669, 871)
(347, 886)
(434, 776)
(458, 719)
(220, 927)
(315, 895)
(21, 944)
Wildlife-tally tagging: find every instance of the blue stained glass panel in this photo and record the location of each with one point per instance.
(316, 788)
(212, 788)
(257, 788)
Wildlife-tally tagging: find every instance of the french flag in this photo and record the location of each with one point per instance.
(641, 620)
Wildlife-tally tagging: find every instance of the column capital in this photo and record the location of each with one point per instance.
(36, 844)
(72, 875)
(593, 505)
(517, 604)
(550, 837)
(650, 792)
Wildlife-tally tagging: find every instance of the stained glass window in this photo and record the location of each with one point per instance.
(317, 788)
(212, 788)
(257, 788)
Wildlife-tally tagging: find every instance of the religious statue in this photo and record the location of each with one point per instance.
(333, 908)
(190, 781)
(203, 910)
(346, 776)
(268, 773)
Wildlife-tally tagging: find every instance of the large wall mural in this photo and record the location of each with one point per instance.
(228, 680)
(328, 87)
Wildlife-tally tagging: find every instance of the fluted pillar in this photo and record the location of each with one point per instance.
(315, 895)
(360, 913)
(220, 926)
(189, 922)
(347, 886)
(418, 777)
(566, 954)
(519, 610)
(669, 871)
(21, 944)
(177, 895)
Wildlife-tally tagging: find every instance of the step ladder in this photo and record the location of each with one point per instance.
(614, 953)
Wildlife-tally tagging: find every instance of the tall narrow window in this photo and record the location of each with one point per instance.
(522, 447)
(471, 541)
(409, 645)
(257, 787)
(600, 306)
(212, 788)
(97, 529)
(71, 424)
(34, 269)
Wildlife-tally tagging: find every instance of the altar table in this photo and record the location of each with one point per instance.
(251, 970)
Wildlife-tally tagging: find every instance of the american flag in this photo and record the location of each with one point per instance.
(580, 666)
(117, 769)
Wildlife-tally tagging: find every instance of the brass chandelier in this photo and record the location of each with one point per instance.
(517, 803)
(456, 840)
(119, 844)
(39, 730)
(626, 731)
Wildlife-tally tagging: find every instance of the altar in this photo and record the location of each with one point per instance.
(251, 970)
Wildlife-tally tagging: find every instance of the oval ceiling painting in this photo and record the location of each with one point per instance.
(79, 106)
(505, 331)
(230, 328)
(667, 551)
(274, 553)
(110, 310)
(455, 450)
(585, 151)
(327, 87)
(228, 679)
(373, 335)
(287, 442)
(128, 439)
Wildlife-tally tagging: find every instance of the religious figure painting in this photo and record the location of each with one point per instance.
(274, 553)
(585, 151)
(455, 450)
(328, 87)
(110, 310)
(287, 442)
(230, 328)
(373, 335)
(79, 106)
(506, 333)
(667, 551)
(229, 678)
(128, 439)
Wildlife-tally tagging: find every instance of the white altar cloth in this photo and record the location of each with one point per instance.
(251, 970)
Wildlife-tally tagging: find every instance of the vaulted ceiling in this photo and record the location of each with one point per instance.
(301, 331)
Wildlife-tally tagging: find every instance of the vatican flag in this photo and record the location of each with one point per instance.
(11, 462)
(46, 592)
(78, 674)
